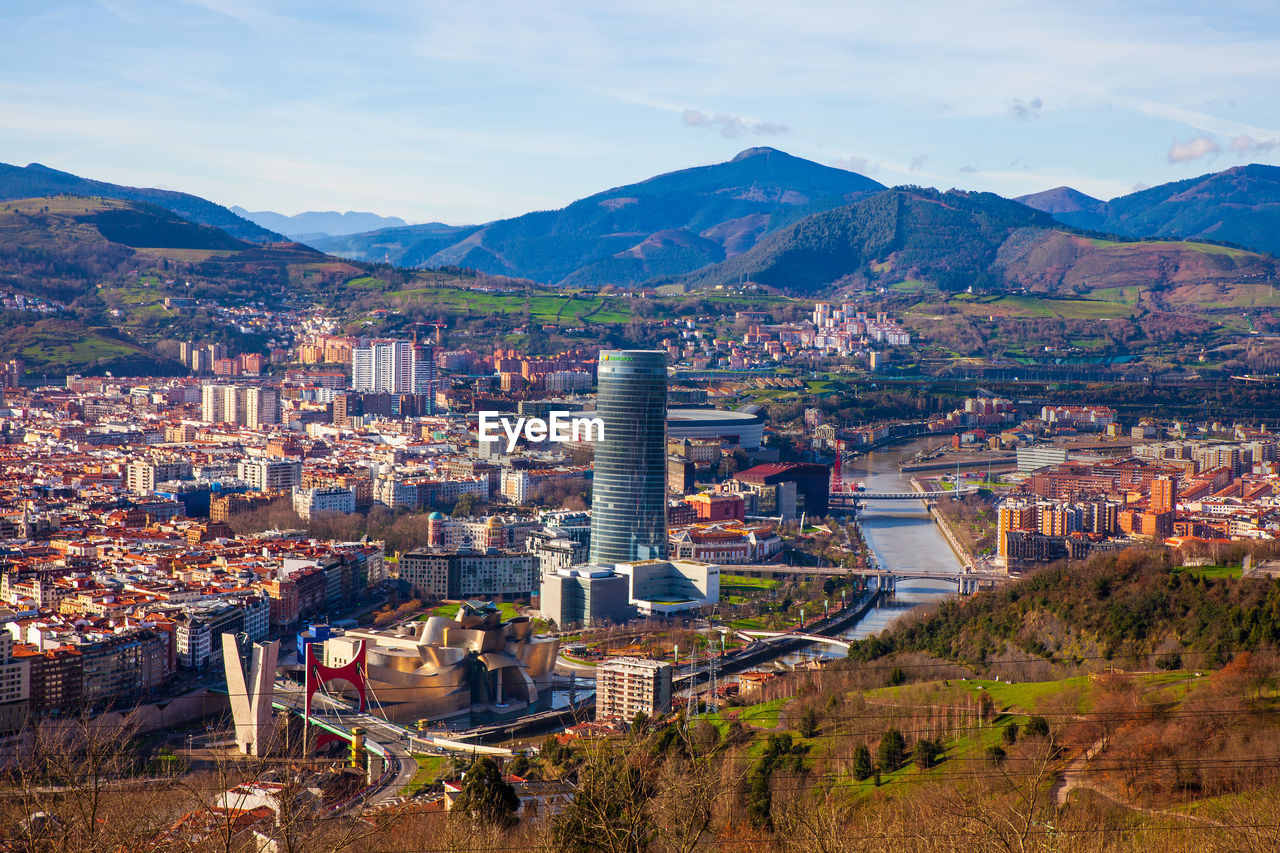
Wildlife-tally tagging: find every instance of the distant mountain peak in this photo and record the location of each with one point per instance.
(1062, 200)
(760, 151)
(319, 223)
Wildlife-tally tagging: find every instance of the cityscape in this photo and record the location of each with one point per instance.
(897, 468)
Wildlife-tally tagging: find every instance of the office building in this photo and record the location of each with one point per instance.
(666, 587)
(629, 686)
(785, 489)
(629, 505)
(1040, 456)
(585, 595)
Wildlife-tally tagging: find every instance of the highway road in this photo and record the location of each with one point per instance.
(391, 739)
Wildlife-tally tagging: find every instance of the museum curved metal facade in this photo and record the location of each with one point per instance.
(629, 490)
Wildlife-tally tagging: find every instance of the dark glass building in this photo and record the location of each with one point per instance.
(629, 492)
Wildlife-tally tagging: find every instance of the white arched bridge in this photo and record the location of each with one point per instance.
(765, 636)
(965, 583)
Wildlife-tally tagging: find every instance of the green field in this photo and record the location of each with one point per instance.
(762, 716)
(744, 582)
(50, 348)
(1211, 572)
(570, 309)
(1040, 307)
(430, 768)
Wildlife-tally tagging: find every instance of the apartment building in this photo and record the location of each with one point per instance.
(469, 574)
(270, 475)
(629, 686)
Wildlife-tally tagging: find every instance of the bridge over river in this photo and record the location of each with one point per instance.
(857, 500)
(966, 582)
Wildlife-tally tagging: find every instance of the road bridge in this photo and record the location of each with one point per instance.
(857, 500)
(966, 583)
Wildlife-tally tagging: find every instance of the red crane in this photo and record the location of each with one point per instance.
(837, 481)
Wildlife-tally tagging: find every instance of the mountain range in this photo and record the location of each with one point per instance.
(785, 222)
(1240, 206)
(664, 226)
(110, 254)
(34, 181)
(316, 225)
(763, 215)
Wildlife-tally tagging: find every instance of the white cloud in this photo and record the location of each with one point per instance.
(731, 126)
(862, 165)
(1246, 144)
(1028, 110)
(1193, 149)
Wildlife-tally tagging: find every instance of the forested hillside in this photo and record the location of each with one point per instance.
(1131, 608)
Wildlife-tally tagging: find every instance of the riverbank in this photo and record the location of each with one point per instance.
(962, 553)
(831, 626)
(997, 463)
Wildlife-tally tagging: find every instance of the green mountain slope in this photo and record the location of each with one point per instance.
(1126, 606)
(950, 238)
(958, 240)
(35, 180)
(110, 263)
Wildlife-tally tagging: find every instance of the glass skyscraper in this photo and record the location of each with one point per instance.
(629, 494)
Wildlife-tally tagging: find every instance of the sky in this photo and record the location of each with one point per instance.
(471, 110)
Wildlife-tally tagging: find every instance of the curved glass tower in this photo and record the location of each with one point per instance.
(629, 495)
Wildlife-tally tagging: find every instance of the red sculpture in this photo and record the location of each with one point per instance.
(317, 674)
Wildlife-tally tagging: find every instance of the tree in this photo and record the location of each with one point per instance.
(1037, 726)
(925, 754)
(465, 507)
(862, 762)
(808, 725)
(608, 812)
(486, 797)
(1010, 733)
(892, 749)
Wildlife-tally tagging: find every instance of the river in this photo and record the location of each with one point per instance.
(901, 534)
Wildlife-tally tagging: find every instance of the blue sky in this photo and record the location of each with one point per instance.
(467, 111)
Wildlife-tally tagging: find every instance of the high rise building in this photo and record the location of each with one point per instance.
(391, 367)
(424, 369)
(239, 405)
(212, 403)
(262, 407)
(629, 494)
(1164, 494)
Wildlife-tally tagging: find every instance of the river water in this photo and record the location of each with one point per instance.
(902, 535)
